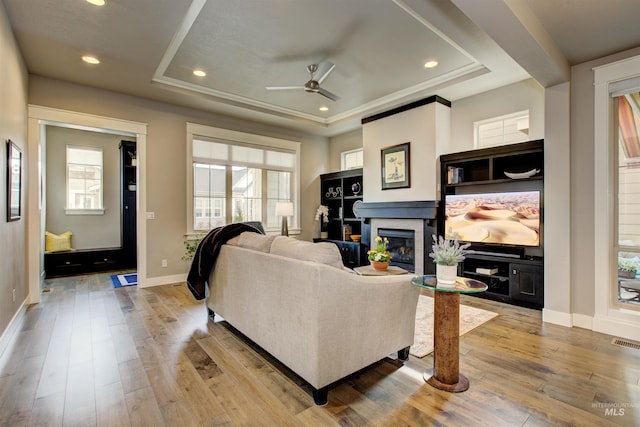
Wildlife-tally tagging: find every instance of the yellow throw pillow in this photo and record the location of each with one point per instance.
(57, 243)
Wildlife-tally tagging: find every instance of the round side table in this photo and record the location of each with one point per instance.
(446, 331)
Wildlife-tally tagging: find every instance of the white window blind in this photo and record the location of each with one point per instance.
(237, 181)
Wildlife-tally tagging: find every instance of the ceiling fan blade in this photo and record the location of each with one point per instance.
(328, 94)
(284, 87)
(329, 68)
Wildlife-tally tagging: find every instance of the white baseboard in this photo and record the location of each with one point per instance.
(617, 328)
(583, 321)
(610, 326)
(14, 325)
(162, 280)
(556, 317)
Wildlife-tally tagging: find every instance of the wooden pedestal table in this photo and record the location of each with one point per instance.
(446, 331)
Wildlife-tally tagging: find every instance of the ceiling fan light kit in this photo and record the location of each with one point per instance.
(313, 85)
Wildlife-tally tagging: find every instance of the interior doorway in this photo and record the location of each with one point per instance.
(39, 119)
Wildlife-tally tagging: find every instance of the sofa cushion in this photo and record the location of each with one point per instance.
(254, 241)
(57, 243)
(322, 252)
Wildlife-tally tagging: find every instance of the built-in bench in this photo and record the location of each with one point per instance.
(81, 261)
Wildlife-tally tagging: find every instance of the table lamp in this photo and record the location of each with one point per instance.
(284, 209)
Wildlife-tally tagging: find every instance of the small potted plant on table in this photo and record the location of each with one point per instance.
(627, 268)
(446, 255)
(380, 256)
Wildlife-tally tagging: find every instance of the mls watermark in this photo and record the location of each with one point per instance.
(615, 409)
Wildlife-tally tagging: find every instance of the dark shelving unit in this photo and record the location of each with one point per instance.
(519, 278)
(337, 192)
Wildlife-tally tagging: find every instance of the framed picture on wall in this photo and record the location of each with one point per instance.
(14, 181)
(395, 166)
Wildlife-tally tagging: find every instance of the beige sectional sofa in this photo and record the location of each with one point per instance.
(297, 301)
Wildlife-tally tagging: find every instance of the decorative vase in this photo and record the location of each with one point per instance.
(446, 275)
(355, 188)
(380, 266)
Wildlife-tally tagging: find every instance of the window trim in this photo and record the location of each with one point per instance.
(343, 161)
(83, 211)
(195, 130)
(478, 123)
(609, 315)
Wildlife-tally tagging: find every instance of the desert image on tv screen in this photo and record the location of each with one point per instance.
(507, 218)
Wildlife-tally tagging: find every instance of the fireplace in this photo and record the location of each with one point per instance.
(404, 221)
(401, 247)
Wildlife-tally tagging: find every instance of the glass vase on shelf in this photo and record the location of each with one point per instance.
(324, 233)
(322, 216)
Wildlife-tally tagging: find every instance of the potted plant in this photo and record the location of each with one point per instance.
(627, 268)
(322, 215)
(380, 256)
(446, 255)
(190, 247)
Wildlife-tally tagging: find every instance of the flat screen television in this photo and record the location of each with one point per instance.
(506, 218)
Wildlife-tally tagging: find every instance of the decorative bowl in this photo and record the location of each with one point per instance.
(527, 174)
(356, 237)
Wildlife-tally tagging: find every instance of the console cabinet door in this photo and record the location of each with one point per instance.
(525, 283)
(350, 254)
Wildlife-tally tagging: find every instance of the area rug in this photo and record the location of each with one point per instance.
(470, 318)
(120, 280)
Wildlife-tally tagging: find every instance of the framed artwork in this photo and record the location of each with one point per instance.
(14, 181)
(395, 166)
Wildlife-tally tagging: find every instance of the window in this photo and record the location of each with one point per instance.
(627, 136)
(84, 180)
(239, 177)
(351, 159)
(502, 130)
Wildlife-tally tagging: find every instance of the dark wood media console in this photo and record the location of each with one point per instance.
(514, 274)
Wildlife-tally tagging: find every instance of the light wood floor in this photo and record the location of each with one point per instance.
(93, 355)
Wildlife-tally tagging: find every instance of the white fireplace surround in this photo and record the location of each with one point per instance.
(417, 225)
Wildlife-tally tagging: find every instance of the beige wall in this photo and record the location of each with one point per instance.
(340, 143)
(89, 231)
(519, 96)
(13, 125)
(582, 178)
(525, 95)
(166, 159)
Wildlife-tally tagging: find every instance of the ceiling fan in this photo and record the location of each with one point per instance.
(312, 85)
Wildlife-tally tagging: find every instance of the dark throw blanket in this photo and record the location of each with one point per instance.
(206, 255)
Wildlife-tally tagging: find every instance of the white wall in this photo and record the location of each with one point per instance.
(89, 231)
(425, 128)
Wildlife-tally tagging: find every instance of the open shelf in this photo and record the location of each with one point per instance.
(340, 191)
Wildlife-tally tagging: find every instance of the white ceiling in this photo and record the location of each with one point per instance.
(149, 48)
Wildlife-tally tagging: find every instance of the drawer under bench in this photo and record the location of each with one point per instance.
(81, 261)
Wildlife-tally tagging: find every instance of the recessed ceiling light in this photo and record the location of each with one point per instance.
(96, 2)
(199, 73)
(324, 108)
(90, 59)
(431, 63)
